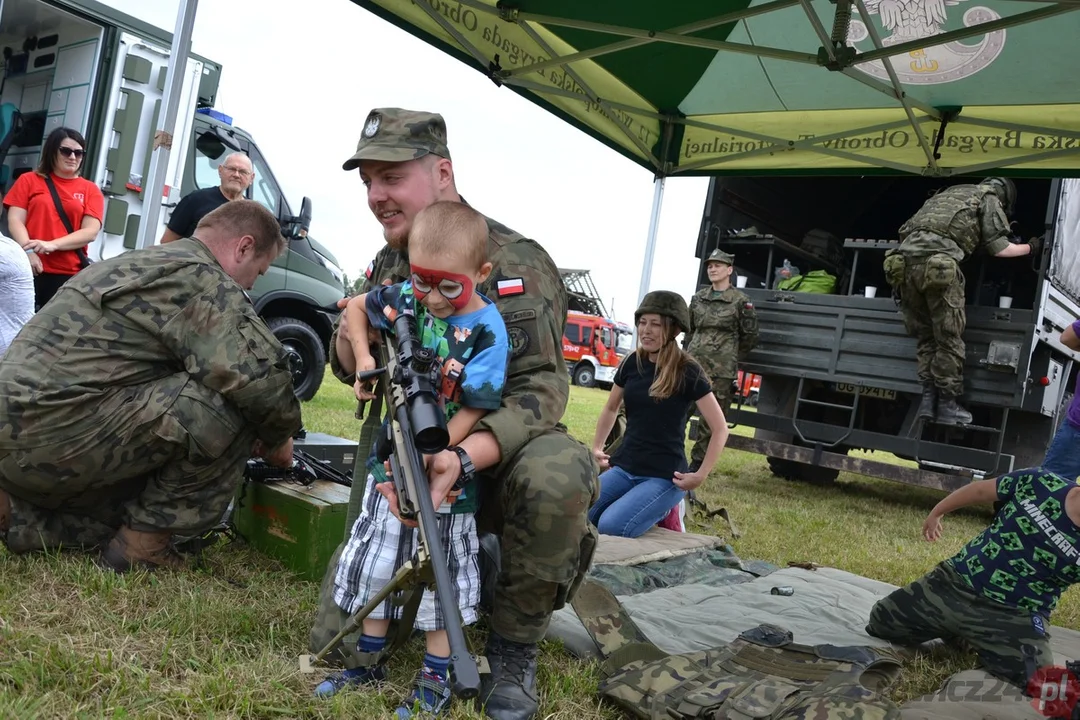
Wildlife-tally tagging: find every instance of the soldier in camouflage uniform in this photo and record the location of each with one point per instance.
(538, 482)
(925, 272)
(131, 402)
(723, 331)
(997, 593)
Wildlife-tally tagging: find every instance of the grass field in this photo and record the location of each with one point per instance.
(222, 641)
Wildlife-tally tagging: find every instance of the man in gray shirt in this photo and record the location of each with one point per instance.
(16, 291)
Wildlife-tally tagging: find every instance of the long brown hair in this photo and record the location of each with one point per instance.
(52, 147)
(671, 363)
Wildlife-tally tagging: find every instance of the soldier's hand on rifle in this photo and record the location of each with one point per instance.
(281, 456)
(443, 471)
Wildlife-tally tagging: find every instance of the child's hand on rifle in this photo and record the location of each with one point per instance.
(364, 389)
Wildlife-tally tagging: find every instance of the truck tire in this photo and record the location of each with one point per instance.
(307, 356)
(585, 375)
(798, 472)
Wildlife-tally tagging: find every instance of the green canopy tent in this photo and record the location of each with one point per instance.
(710, 87)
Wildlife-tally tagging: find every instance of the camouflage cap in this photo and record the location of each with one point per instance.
(396, 135)
(667, 303)
(720, 256)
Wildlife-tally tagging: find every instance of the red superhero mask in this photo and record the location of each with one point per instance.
(456, 288)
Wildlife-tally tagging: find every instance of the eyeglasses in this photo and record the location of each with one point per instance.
(238, 171)
(68, 152)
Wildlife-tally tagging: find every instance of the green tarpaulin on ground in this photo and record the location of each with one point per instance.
(706, 87)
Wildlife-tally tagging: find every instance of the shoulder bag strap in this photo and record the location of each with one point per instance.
(84, 261)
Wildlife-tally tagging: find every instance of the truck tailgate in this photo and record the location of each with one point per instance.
(862, 341)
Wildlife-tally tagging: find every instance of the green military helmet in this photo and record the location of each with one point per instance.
(667, 303)
(1009, 189)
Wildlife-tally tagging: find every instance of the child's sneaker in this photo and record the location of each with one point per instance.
(356, 677)
(430, 696)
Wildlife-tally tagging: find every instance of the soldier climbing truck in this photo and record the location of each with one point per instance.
(838, 370)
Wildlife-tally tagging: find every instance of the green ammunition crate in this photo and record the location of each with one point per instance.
(300, 525)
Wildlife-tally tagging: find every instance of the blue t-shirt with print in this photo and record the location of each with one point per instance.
(472, 351)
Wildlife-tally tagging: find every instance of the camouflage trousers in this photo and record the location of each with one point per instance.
(932, 305)
(721, 388)
(175, 471)
(939, 605)
(538, 507)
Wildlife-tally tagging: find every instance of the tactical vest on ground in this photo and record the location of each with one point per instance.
(952, 213)
(762, 674)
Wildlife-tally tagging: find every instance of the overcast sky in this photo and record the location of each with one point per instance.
(302, 79)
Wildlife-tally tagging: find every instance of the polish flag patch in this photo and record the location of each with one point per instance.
(370, 269)
(510, 287)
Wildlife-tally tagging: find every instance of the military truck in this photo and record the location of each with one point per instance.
(80, 64)
(839, 370)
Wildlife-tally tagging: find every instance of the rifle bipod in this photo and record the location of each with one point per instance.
(408, 583)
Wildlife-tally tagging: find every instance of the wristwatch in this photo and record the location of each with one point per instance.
(468, 470)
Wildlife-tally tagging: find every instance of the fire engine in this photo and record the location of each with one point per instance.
(593, 344)
(593, 347)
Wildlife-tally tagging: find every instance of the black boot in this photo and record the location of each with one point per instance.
(950, 412)
(928, 406)
(509, 692)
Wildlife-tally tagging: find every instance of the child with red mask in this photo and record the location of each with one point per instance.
(448, 258)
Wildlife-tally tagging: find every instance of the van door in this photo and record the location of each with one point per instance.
(134, 108)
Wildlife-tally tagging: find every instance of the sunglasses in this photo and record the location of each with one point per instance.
(68, 152)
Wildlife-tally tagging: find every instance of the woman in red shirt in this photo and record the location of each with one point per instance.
(34, 222)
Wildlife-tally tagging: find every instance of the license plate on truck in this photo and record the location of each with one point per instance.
(874, 392)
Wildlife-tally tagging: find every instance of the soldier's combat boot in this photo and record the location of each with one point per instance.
(950, 412)
(509, 692)
(131, 549)
(928, 406)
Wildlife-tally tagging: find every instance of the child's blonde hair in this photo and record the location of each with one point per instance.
(448, 228)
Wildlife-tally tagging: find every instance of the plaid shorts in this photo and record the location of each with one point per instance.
(380, 544)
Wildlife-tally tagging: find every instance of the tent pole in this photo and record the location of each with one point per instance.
(650, 243)
(154, 187)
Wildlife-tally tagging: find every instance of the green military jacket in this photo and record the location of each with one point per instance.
(723, 330)
(957, 222)
(526, 287)
(130, 320)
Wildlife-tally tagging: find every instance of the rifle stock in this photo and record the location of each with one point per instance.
(407, 392)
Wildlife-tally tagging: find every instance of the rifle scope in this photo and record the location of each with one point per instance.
(417, 375)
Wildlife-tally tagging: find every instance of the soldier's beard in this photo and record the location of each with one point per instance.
(398, 240)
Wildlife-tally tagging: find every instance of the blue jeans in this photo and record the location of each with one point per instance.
(631, 504)
(1063, 457)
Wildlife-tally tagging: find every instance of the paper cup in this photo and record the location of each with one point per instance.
(1005, 302)
(740, 281)
(871, 291)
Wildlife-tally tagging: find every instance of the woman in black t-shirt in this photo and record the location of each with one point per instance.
(647, 475)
